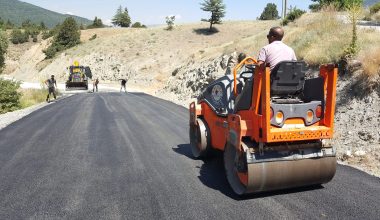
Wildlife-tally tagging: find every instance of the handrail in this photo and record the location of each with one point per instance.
(246, 61)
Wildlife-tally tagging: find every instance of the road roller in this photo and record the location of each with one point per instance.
(270, 125)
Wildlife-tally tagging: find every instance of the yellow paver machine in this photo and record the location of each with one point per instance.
(78, 77)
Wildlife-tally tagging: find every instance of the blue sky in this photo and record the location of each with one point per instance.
(152, 12)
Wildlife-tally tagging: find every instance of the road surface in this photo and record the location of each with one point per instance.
(127, 156)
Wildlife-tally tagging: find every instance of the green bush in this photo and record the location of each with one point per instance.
(3, 49)
(51, 51)
(45, 35)
(9, 96)
(19, 37)
(138, 25)
(375, 8)
(67, 36)
(292, 16)
(340, 5)
(270, 12)
(97, 23)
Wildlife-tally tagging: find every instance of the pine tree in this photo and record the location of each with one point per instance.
(68, 34)
(217, 9)
(97, 23)
(270, 12)
(121, 18)
(170, 22)
(43, 26)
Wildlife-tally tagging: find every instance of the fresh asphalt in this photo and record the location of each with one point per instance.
(127, 156)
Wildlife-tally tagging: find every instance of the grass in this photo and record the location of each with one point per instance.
(371, 62)
(319, 38)
(369, 55)
(32, 97)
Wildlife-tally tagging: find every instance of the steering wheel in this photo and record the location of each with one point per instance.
(249, 72)
(250, 64)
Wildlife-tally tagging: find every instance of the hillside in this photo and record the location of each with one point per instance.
(17, 12)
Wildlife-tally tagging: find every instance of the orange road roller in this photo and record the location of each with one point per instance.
(269, 124)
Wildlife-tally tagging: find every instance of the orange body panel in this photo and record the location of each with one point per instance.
(218, 127)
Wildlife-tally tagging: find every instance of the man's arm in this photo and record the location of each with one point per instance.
(294, 56)
(262, 57)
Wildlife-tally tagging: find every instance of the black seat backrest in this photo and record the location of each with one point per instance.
(288, 78)
(244, 99)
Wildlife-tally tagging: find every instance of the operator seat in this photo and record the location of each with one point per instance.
(287, 79)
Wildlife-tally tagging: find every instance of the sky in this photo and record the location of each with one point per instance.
(152, 12)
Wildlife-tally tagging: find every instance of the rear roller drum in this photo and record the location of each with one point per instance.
(199, 139)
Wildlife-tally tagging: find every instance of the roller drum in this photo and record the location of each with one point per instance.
(276, 173)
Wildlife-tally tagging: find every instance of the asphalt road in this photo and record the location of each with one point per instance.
(127, 156)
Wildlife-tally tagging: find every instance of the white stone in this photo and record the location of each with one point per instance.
(360, 153)
(348, 154)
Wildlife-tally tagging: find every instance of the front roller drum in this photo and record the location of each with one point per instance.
(246, 178)
(199, 138)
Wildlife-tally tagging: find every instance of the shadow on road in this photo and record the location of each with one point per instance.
(184, 149)
(212, 175)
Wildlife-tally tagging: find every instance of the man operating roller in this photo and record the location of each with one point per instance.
(276, 51)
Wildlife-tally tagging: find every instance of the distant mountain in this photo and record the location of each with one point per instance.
(370, 2)
(17, 12)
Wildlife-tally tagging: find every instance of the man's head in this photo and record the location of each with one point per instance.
(241, 57)
(52, 76)
(275, 34)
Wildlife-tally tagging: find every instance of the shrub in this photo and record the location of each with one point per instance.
(138, 25)
(19, 37)
(292, 16)
(371, 62)
(9, 96)
(51, 51)
(375, 8)
(340, 5)
(3, 49)
(46, 35)
(97, 23)
(93, 37)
